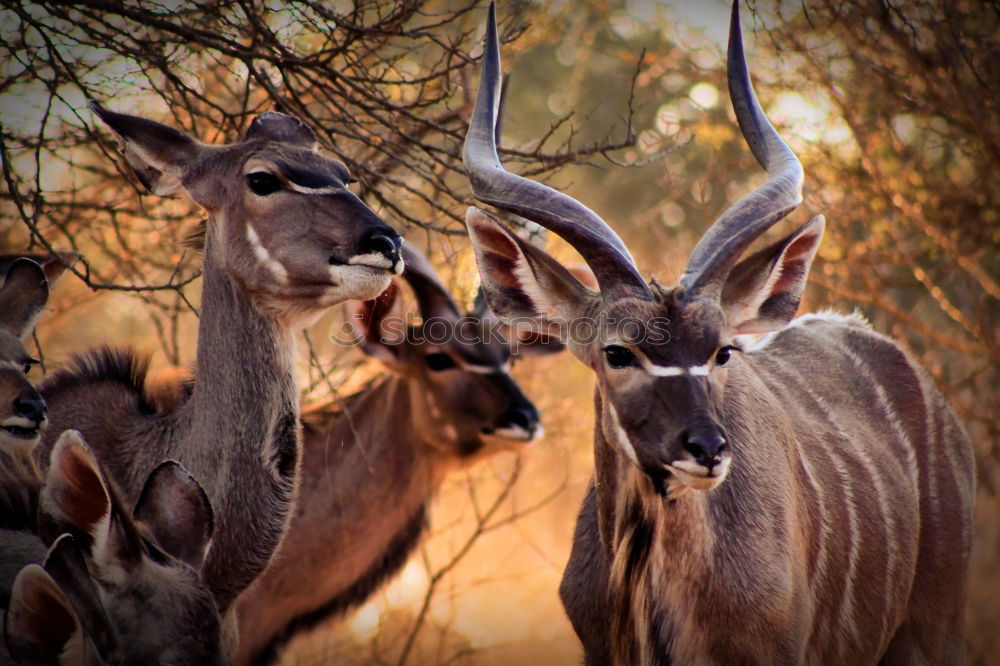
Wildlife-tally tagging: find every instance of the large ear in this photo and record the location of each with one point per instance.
(22, 297)
(539, 344)
(763, 291)
(380, 332)
(57, 264)
(177, 513)
(41, 626)
(66, 565)
(158, 154)
(77, 498)
(522, 342)
(524, 286)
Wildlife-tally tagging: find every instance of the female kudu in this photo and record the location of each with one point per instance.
(285, 240)
(23, 294)
(803, 499)
(370, 470)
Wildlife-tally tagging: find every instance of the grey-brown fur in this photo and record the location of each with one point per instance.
(803, 498)
(767, 521)
(366, 479)
(278, 252)
(121, 586)
(20, 482)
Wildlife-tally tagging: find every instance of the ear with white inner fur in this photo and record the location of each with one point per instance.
(524, 286)
(157, 154)
(41, 626)
(763, 291)
(58, 264)
(22, 297)
(75, 496)
(380, 327)
(177, 513)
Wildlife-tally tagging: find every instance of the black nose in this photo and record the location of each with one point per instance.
(380, 242)
(31, 408)
(706, 448)
(525, 416)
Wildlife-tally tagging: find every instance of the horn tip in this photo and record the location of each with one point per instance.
(735, 30)
(491, 19)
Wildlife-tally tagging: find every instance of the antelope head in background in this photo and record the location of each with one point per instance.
(115, 586)
(455, 365)
(370, 468)
(23, 294)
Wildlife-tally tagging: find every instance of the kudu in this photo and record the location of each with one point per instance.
(114, 586)
(285, 240)
(23, 294)
(804, 499)
(370, 469)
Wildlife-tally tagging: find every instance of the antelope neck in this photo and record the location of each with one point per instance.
(398, 433)
(243, 430)
(246, 360)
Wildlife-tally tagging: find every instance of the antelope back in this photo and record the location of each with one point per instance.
(456, 365)
(283, 221)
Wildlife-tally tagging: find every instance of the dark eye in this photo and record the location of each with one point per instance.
(619, 357)
(439, 361)
(30, 362)
(263, 183)
(722, 356)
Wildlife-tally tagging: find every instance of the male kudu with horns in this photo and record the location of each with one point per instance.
(806, 498)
